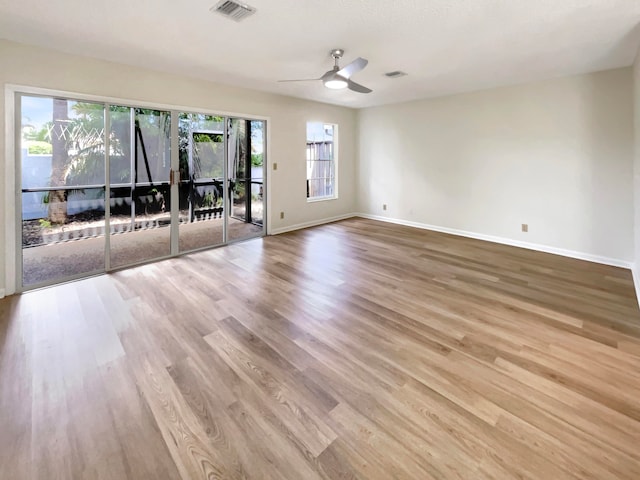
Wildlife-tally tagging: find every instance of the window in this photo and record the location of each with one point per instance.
(322, 146)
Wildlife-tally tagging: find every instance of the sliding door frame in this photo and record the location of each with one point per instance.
(13, 218)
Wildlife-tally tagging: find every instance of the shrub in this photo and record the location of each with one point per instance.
(36, 147)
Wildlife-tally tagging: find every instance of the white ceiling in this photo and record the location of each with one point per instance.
(446, 46)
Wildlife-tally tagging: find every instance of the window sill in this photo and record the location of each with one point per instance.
(321, 199)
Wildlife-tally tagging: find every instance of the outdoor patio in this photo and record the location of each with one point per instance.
(79, 254)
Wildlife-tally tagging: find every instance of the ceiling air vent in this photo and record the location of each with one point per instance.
(233, 10)
(395, 74)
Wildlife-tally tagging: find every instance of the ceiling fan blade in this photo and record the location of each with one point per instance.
(301, 80)
(356, 87)
(354, 67)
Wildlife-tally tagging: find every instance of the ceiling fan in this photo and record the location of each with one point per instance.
(337, 77)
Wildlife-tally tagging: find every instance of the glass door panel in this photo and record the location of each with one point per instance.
(62, 189)
(258, 155)
(201, 186)
(140, 192)
(245, 164)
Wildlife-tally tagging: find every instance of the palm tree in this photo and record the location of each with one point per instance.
(59, 161)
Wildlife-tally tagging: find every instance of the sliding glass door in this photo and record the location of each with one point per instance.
(62, 177)
(202, 182)
(139, 188)
(104, 186)
(221, 180)
(245, 156)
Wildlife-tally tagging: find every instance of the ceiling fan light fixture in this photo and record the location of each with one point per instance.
(339, 78)
(336, 82)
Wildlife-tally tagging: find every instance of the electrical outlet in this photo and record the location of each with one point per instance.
(525, 227)
(281, 215)
(275, 165)
(384, 206)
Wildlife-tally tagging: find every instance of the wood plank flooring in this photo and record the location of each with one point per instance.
(355, 350)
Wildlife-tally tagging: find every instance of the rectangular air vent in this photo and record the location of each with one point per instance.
(233, 10)
(395, 74)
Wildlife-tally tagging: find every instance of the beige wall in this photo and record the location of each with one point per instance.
(636, 170)
(556, 155)
(31, 66)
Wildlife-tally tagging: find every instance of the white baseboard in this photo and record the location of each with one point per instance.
(506, 241)
(1, 292)
(635, 271)
(312, 223)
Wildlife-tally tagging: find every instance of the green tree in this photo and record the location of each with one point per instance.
(42, 135)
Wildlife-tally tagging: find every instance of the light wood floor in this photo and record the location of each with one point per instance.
(352, 350)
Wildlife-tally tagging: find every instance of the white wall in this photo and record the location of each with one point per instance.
(636, 170)
(556, 155)
(31, 66)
